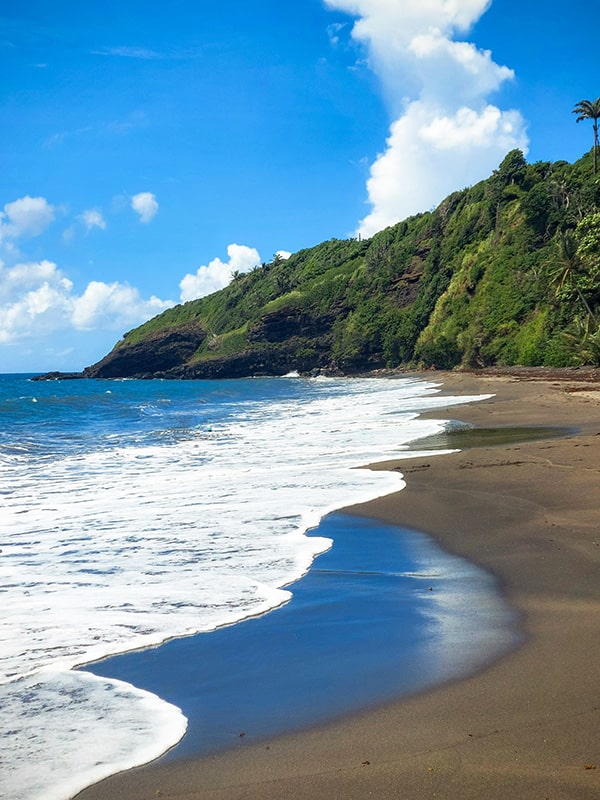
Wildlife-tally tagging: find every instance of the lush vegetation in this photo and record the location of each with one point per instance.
(590, 109)
(505, 272)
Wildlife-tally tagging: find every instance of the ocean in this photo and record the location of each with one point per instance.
(135, 513)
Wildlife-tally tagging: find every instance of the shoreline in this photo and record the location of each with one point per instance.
(387, 603)
(528, 725)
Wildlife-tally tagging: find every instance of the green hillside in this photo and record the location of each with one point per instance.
(505, 272)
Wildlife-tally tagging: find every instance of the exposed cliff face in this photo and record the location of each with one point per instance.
(288, 323)
(158, 353)
(168, 353)
(484, 280)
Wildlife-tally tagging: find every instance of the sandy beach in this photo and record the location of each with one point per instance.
(528, 726)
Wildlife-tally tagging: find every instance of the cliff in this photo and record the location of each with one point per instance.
(505, 272)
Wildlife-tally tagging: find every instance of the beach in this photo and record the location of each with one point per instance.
(527, 726)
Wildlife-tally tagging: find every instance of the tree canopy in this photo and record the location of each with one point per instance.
(504, 272)
(590, 109)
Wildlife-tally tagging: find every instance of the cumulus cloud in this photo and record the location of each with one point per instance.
(113, 305)
(217, 274)
(37, 299)
(283, 254)
(430, 154)
(25, 217)
(446, 133)
(145, 204)
(93, 219)
(30, 275)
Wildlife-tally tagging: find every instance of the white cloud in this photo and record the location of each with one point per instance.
(37, 299)
(283, 254)
(113, 305)
(68, 234)
(25, 217)
(145, 204)
(27, 276)
(34, 299)
(333, 31)
(128, 52)
(446, 133)
(93, 219)
(63, 136)
(145, 54)
(429, 155)
(217, 273)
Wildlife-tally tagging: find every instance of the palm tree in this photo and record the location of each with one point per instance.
(590, 109)
(566, 268)
(583, 341)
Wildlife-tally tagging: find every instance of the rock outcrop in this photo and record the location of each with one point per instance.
(481, 281)
(159, 353)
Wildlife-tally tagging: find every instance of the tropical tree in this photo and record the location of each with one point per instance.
(583, 342)
(590, 109)
(566, 269)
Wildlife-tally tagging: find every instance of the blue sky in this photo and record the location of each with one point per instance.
(148, 149)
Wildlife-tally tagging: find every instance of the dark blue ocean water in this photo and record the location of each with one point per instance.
(141, 512)
(382, 614)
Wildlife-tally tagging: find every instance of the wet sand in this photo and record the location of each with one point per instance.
(529, 725)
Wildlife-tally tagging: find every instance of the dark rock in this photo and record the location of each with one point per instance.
(262, 361)
(282, 325)
(158, 353)
(58, 376)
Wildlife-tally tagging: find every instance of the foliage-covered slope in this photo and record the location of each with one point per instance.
(505, 272)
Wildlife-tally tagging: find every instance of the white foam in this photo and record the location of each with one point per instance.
(110, 551)
(51, 713)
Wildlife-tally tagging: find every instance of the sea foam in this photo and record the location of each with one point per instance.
(144, 535)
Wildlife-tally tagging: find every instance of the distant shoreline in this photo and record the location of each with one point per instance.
(524, 373)
(528, 725)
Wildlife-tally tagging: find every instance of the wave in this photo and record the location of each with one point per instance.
(129, 534)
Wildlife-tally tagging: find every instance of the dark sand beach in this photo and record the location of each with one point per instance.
(528, 726)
